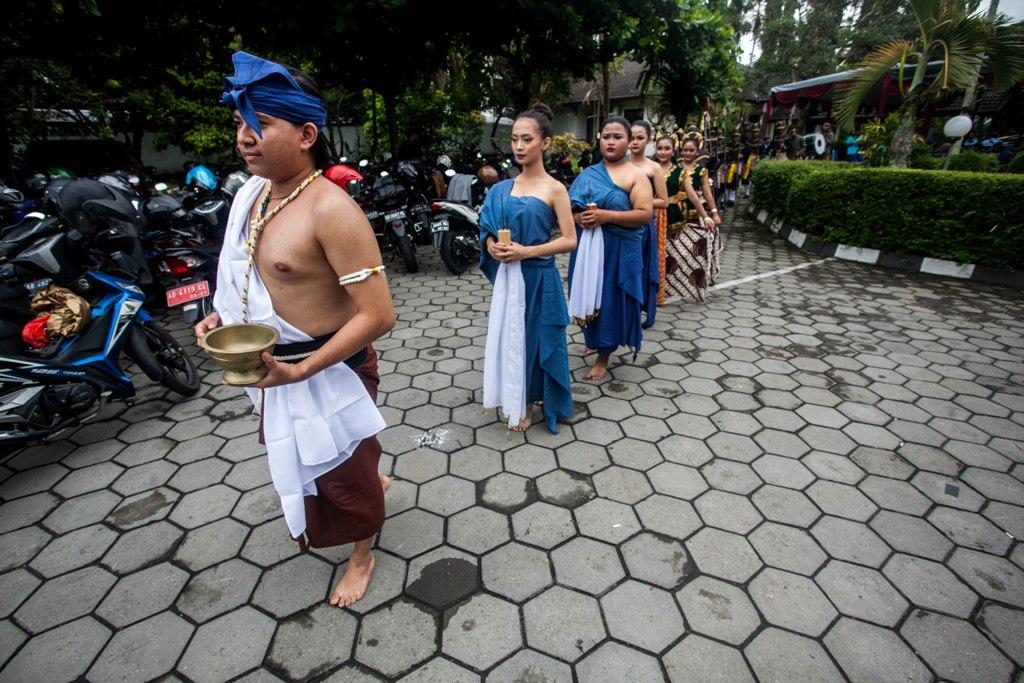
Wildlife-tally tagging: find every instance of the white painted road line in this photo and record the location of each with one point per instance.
(761, 276)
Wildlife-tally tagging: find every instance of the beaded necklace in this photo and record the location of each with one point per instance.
(256, 226)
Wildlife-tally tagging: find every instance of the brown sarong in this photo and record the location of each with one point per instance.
(349, 505)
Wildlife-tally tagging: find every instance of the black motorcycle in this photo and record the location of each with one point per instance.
(384, 200)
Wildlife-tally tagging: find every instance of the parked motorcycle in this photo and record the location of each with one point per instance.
(41, 397)
(384, 201)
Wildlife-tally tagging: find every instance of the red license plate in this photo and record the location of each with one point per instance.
(186, 293)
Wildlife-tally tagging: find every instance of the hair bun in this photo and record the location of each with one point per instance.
(544, 110)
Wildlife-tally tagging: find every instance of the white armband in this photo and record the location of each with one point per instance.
(359, 275)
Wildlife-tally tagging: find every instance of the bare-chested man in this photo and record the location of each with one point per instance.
(306, 275)
(612, 204)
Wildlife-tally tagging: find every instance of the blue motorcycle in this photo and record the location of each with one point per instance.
(42, 395)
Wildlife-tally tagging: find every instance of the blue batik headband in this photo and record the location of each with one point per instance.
(260, 85)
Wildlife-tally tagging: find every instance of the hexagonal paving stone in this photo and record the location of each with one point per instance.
(565, 489)
(142, 594)
(88, 479)
(73, 550)
(847, 540)
(660, 560)
(204, 506)
(792, 601)
(144, 651)
(727, 511)
(684, 450)
(969, 530)
(312, 642)
(563, 623)
(930, 585)
(776, 655)
(395, 638)
(581, 457)
(528, 665)
(615, 662)
(475, 463)
(941, 641)
(14, 588)
(638, 455)
(530, 461)
(717, 609)
(516, 571)
(668, 516)
(861, 592)
(891, 494)
(293, 585)
(833, 467)
(677, 480)
(411, 533)
(606, 520)
(437, 669)
(785, 505)
(478, 530)
(734, 477)
(506, 492)
(992, 485)
(228, 646)
(734, 447)
(482, 631)
(947, 491)
(218, 589)
(443, 577)
(621, 484)
(587, 565)
(723, 554)
(993, 577)
(781, 471)
(81, 511)
(543, 525)
(870, 653)
(787, 548)
(18, 547)
(61, 654)
(447, 495)
(841, 500)
(421, 465)
(1003, 627)
(77, 593)
(213, 543)
(699, 659)
(912, 535)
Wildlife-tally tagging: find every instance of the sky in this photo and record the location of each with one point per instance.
(1012, 8)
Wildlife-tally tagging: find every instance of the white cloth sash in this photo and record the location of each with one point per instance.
(310, 427)
(505, 351)
(587, 276)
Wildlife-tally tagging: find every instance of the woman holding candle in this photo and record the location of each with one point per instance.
(526, 359)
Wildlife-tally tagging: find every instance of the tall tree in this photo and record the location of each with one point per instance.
(950, 34)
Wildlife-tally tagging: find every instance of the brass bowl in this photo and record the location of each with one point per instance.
(237, 349)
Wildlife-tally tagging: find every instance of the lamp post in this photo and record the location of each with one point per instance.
(957, 127)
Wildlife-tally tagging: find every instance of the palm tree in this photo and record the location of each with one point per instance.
(961, 41)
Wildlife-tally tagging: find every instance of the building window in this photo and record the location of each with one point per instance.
(632, 115)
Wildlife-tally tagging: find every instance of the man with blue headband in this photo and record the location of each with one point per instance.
(300, 256)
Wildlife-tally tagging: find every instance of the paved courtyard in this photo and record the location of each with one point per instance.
(818, 475)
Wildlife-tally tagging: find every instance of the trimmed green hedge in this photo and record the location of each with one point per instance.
(959, 216)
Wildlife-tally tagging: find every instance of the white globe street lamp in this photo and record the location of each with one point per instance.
(958, 126)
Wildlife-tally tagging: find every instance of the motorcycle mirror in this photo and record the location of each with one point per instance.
(160, 187)
(384, 174)
(450, 173)
(343, 160)
(363, 163)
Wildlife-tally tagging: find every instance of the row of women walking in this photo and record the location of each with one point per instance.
(639, 232)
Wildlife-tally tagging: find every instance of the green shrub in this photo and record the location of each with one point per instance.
(958, 216)
(1016, 164)
(977, 162)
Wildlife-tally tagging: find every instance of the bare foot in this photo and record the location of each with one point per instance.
(525, 423)
(356, 579)
(385, 482)
(587, 350)
(599, 369)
